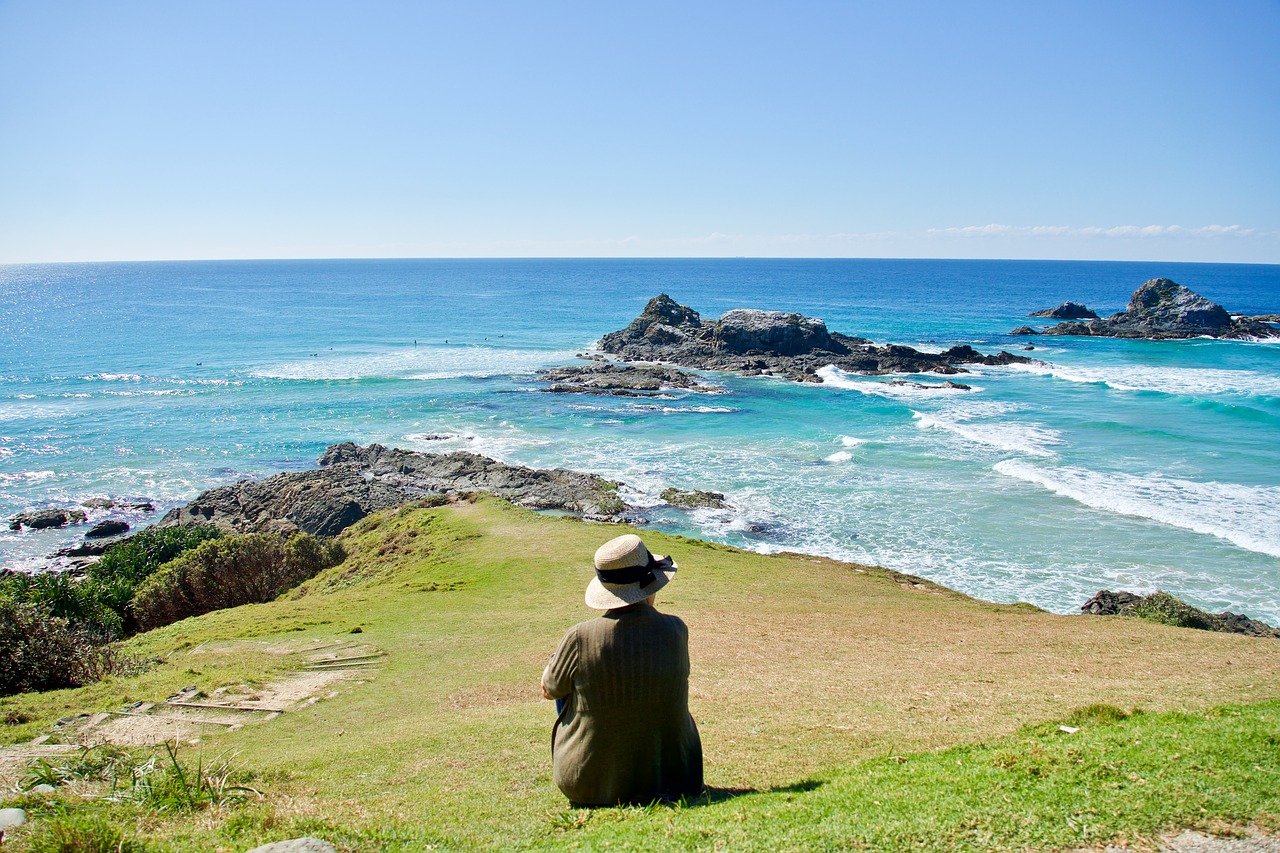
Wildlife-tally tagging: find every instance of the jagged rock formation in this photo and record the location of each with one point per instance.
(784, 344)
(1162, 309)
(1066, 311)
(622, 380)
(1165, 609)
(355, 481)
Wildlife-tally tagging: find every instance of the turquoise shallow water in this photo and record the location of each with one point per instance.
(1122, 464)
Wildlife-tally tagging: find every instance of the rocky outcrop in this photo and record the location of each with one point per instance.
(693, 499)
(43, 518)
(109, 527)
(1066, 311)
(355, 481)
(1167, 610)
(1162, 309)
(623, 380)
(776, 343)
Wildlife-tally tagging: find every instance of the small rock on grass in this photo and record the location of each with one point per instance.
(296, 845)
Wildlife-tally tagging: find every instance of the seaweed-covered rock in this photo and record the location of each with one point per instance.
(693, 499)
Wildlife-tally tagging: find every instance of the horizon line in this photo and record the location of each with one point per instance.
(336, 258)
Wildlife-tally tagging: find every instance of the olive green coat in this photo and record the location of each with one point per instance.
(625, 734)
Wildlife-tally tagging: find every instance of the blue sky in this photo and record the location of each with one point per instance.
(1135, 130)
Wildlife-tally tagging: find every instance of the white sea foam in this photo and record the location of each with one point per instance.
(850, 441)
(1246, 516)
(690, 410)
(880, 387)
(422, 363)
(28, 477)
(1168, 380)
(1010, 436)
(112, 377)
(839, 456)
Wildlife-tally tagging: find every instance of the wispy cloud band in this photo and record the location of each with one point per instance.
(997, 230)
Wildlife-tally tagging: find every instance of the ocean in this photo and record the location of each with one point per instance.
(1109, 464)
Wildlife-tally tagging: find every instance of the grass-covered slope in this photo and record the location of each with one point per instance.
(840, 706)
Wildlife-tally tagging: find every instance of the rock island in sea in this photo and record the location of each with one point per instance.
(1158, 310)
(778, 343)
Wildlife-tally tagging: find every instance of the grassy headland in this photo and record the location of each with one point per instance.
(840, 707)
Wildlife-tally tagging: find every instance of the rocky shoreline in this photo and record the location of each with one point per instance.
(773, 343)
(353, 482)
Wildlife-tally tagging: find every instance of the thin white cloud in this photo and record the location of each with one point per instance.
(998, 230)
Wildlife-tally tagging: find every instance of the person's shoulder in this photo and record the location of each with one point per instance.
(673, 622)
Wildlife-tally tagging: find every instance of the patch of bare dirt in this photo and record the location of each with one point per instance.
(189, 715)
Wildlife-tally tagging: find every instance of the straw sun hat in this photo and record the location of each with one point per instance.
(626, 573)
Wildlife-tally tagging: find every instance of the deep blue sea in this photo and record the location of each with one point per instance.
(1119, 464)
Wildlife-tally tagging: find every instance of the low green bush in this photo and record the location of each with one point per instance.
(99, 601)
(1163, 608)
(242, 569)
(112, 582)
(41, 651)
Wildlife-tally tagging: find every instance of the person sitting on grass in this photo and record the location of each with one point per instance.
(623, 732)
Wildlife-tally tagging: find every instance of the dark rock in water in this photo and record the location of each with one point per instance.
(103, 529)
(43, 518)
(694, 499)
(141, 506)
(1066, 311)
(1024, 330)
(89, 547)
(628, 380)
(1165, 609)
(1264, 318)
(775, 343)
(355, 481)
(1162, 309)
(98, 503)
(945, 386)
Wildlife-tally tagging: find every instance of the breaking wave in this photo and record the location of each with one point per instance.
(1246, 516)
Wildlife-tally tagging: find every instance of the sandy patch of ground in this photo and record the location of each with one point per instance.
(189, 715)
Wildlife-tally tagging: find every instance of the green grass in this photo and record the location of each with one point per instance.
(840, 707)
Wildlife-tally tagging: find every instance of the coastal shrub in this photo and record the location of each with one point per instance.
(64, 595)
(112, 582)
(227, 572)
(40, 651)
(1164, 608)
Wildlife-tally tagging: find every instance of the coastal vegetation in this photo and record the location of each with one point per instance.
(60, 631)
(841, 706)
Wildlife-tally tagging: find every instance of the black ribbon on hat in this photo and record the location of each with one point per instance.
(630, 574)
